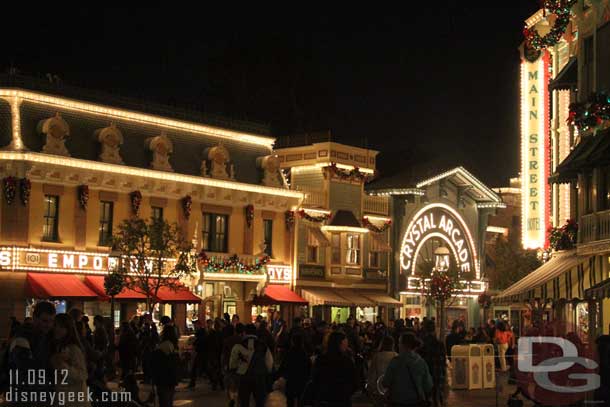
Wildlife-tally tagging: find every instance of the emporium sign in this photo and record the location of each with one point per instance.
(441, 222)
(535, 151)
(17, 258)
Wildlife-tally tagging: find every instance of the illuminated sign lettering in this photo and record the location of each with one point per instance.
(279, 274)
(442, 222)
(535, 150)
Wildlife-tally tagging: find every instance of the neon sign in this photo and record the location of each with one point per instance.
(442, 222)
(535, 151)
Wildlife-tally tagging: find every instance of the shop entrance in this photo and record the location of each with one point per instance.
(339, 314)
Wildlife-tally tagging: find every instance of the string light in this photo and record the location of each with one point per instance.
(461, 171)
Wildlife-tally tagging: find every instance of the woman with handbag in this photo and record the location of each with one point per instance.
(407, 378)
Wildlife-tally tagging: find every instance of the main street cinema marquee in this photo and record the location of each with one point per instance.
(441, 222)
(66, 261)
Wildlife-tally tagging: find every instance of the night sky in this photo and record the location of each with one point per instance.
(437, 84)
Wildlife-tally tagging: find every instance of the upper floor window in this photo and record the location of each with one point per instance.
(157, 213)
(268, 236)
(374, 260)
(51, 218)
(353, 249)
(214, 233)
(106, 209)
(312, 247)
(335, 247)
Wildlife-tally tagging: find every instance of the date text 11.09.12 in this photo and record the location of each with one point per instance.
(38, 377)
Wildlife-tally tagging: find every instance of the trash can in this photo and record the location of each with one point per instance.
(489, 367)
(459, 364)
(475, 367)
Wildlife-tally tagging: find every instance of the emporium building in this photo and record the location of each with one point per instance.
(439, 216)
(73, 168)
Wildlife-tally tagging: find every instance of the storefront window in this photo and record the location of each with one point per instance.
(192, 313)
(366, 314)
(339, 314)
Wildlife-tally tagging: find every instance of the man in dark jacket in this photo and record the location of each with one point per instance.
(433, 353)
(199, 348)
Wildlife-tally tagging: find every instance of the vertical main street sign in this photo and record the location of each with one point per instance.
(535, 151)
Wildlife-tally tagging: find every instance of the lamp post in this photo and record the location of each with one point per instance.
(441, 264)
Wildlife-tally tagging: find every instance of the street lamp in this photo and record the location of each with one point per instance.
(441, 259)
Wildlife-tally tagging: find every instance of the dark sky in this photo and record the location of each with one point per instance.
(436, 82)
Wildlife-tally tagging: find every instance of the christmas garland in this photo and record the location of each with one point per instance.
(316, 219)
(233, 262)
(563, 238)
(25, 188)
(591, 114)
(9, 185)
(83, 196)
(374, 228)
(561, 8)
(353, 174)
(249, 215)
(136, 201)
(441, 286)
(289, 220)
(187, 206)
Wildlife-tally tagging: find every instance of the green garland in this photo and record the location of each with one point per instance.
(561, 8)
(591, 114)
(374, 228)
(315, 219)
(232, 263)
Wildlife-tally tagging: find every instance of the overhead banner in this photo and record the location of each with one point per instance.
(535, 151)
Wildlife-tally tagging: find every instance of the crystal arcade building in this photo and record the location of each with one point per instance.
(74, 167)
(438, 218)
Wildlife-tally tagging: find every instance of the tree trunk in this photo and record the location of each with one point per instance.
(112, 312)
(442, 321)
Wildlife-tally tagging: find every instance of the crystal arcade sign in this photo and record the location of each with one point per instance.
(439, 221)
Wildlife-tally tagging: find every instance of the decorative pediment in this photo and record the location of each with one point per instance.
(271, 170)
(110, 139)
(161, 148)
(56, 130)
(219, 158)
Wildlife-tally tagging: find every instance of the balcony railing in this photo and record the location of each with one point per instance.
(595, 226)
(314, 198)
(376, 204)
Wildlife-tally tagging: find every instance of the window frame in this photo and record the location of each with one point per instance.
(210, 244)
(353, 250)
(268, 240)
(155, 210)
(105, 224)
(335, 249)
(55, 219)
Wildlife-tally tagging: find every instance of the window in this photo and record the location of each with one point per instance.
(312, 247)
(51, 215)
(157, 213)
(353, 249)
(105, 223)
(374, 260)
(214, 234)
(268, 236)
(335, 245)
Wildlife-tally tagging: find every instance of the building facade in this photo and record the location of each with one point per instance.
(72, 170)
(445, 212)
(342, 234)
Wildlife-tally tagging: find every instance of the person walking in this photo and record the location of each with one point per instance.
(295, 369)
(164, 367)
(199, 358)
(231, 378)
(407, 378)
(379, 363)
(252, 361)
(503, 339)
(434, 354)
(67, 355)
(334, 377)
(128, 351)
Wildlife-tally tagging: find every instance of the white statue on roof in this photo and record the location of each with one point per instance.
(271, 170)
(161, 147)
(219, 158)
(110, 139)
(56, 131)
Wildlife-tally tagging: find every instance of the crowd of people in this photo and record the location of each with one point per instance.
(265, 361)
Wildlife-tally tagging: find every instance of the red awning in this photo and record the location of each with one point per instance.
(277, 294)
(179, 295)
(54, 285)
(96, 283)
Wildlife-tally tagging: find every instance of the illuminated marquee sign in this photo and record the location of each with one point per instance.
(279, 274)
(18, 258)
(442, 222)
(535, 151)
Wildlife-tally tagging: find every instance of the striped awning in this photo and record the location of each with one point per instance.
(565, 277)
